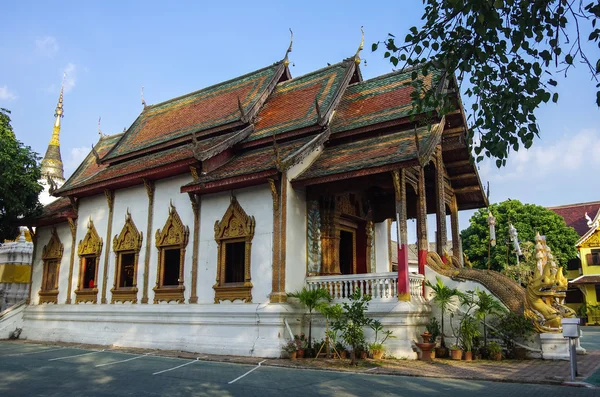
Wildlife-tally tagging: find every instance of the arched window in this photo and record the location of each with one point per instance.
(233, 235)
(171, 242)
(51, 255)
(127, 246)
(89, 250)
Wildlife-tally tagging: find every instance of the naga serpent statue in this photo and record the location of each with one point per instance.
(542, 301)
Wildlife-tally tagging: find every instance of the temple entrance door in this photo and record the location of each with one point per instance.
(347, 251)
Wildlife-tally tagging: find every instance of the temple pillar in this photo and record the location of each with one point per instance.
(422, 243)
(456, 244)
(399, 178)
(440, 203)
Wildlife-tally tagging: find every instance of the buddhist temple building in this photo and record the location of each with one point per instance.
(584, 271)
(189, 230)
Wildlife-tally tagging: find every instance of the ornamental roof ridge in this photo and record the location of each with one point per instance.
(342, 63)
(593, 229)
(573, 205)
(393, 73)
(210, 87)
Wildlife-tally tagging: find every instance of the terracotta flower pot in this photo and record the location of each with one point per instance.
(456, 354)
(343, 354)
(441, 352)
(468, 356)
(300, 353)
(496, 356)
(292, 355)
(426, 337)
(377, 354)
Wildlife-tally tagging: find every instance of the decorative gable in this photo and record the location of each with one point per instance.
(91, 243)
(130, 239)
(174, 232)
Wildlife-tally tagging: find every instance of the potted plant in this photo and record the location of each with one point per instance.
(495, 351)
(330, 312)
(312, 299)
(487, 305)
(301, 344)
(376, 347)
(456, 352)
(442, 296)
(513, 329)
(291, 349)
(469, 329)
(352, 321)
(341, 349)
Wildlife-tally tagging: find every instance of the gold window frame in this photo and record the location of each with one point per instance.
(90, 246)
(51, 254)
(129, 241)
(174, 235)
(235, 226)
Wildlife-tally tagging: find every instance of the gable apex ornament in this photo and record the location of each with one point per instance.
(235, 223)
(360, 47)
(54, 248)
(91, 243)
(286, 60)
(130, 239)
(174, 232)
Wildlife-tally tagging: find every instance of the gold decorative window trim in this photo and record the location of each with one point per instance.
(51, 257)
(174, 235)
(235, 226)
(88, 248)
(128, 242)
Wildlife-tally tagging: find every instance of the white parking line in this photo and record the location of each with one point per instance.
(253, 369)
(40, 351)
(123, 361)
(77, 355)
(179, 366)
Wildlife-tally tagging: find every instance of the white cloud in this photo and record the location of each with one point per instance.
(568, 154)
(74, 158)
(47, 45)
(6, 94)
(71, 78)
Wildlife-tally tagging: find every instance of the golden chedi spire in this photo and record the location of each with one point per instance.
(52, 166)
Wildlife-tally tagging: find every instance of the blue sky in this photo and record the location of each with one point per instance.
(110, 49)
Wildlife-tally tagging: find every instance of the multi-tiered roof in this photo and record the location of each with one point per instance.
(246, 130)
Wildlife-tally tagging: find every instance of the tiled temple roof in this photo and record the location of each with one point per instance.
(208, 108)
(291, 106)
(251, 162)
(90, 167)
(377, 100)
(56, 212)
(394, 148)
(574, 214)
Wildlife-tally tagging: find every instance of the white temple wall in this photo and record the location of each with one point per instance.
(382, 248)
(256, 201)
(96, 209)
(135, 200)
(168, 191)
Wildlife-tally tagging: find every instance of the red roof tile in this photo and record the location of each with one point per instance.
(574, 214)
(291, 106)
(208, 108)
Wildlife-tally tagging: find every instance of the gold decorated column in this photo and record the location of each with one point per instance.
(110, 199)
(422, 243)
(441, 235)
(73, 227)
(150, 192)
(196, 203)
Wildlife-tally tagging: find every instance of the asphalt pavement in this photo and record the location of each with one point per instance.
(28, 369)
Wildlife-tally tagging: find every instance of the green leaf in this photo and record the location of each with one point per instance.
(555, 97)
(374, 47)
(569, 59)
(498, 4)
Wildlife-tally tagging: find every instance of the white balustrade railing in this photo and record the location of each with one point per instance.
(379, 286)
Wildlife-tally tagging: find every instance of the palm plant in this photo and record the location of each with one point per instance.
(442, 296)
(487, 305)
(312, 299)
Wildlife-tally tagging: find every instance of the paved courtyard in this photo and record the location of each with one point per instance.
(32, 369)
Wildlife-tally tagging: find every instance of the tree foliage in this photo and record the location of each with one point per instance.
(528, 219)
(352, 321)
(19, 175)
(506, 51)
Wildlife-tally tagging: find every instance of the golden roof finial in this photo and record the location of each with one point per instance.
(143, 101)
(286, 61)
(360, 47)
(58, 113)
